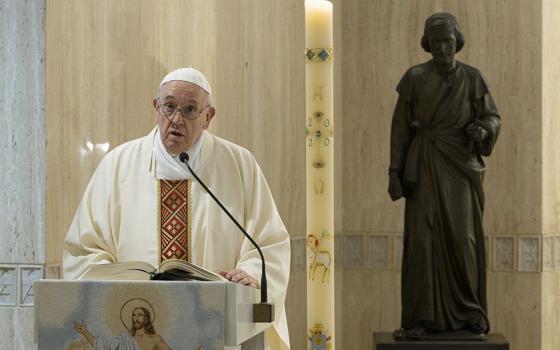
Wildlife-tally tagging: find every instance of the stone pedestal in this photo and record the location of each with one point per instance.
(385, 341)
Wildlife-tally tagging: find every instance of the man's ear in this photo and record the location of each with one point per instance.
(209, 115)
(154, 102)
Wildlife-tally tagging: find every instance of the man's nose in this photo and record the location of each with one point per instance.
(177, 117)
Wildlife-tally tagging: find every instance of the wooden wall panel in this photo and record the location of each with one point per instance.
(551, 117)
(260, 94)
(551, 167)
(550, 319)
(381, 40)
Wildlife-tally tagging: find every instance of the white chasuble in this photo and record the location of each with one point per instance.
(118, 218)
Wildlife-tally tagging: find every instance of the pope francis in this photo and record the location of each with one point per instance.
(142, 203)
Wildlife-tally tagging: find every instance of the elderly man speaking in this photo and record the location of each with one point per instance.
(142, 204)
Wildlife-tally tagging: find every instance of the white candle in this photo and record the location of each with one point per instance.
(319, 171)
(318, 23)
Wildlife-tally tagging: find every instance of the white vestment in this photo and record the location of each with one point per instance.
(117, 219)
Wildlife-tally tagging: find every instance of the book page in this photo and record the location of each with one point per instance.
(129, 270)
(197, 271)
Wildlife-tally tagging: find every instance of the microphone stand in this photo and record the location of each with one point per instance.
(263, 311)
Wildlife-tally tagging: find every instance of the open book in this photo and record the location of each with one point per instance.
(172, 269)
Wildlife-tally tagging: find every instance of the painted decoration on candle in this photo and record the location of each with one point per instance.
(318, 164)
(318, 95)
(319, 260)
(319, 338)
(326, 133)
(319, 55)
(319, 186)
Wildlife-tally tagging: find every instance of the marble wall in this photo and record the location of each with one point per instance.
(22, 166)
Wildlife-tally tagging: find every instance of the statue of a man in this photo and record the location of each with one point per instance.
(445, 120)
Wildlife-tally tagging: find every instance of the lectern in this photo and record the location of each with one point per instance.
(141, 314)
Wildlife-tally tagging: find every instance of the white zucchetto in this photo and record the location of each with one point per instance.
(190, 75)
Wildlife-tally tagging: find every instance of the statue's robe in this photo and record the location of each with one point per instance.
(118, 218)
(444, 262)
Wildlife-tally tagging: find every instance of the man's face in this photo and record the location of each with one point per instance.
(138, 319)
(179, 133)
(442, 44)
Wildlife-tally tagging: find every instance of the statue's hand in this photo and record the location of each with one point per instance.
(395, 187)
(476, 132)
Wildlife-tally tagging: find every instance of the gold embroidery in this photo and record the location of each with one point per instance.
(175, 220)
(189, 220)
(158, 208)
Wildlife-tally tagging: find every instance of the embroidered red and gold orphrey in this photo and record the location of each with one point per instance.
(174, 219)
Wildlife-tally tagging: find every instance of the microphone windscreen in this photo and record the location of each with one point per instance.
(184, 157)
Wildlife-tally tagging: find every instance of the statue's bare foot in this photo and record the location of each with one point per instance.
(418, 332)
(479, 327)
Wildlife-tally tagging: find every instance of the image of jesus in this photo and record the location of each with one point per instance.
(140, 336)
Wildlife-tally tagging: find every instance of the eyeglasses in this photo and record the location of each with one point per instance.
(190, 112)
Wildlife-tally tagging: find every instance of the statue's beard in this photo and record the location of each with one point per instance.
(137, 325)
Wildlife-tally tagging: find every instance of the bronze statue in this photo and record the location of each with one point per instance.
(445, 120)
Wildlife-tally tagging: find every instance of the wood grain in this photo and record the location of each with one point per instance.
(551, 167)
(105, 61)
(381, 40)
(551, 117)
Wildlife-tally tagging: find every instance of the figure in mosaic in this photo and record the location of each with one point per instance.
(140, 335)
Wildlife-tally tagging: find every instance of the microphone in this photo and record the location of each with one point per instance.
(264, 311)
